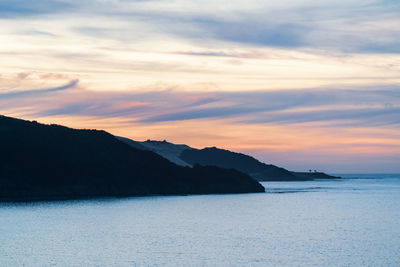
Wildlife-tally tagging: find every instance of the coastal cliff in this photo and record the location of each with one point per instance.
(185, 155)
(40, 161)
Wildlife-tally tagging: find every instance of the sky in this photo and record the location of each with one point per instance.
(300, 84)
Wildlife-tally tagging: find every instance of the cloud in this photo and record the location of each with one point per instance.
(369, 107)
(33, 92)
(22, 8)
(348, 26)
(38, 33)
(256, 32)
(362, 107)
(203, 113)
(391, 46)
(338, 117)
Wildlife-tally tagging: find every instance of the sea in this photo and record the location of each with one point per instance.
(354, 221)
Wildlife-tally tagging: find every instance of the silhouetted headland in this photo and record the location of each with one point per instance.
(315, 175)
(44, 162)
(211, 156)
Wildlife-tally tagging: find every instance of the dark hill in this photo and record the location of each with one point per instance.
(40, 161)
(315, 175)
(185, 155)
(212, 156)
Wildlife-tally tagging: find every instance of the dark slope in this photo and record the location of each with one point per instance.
(184, 155)
(212, 156)
(49, 162)
(165, 149)
(131, 143)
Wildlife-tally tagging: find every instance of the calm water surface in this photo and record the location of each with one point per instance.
(349, 222)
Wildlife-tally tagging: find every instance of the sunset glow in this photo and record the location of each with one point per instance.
(315, 85)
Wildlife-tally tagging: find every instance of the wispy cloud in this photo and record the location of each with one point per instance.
(347, 26)
(337, 117)
(367, 107)
(21, 8)
(331, 106)
(36, 92)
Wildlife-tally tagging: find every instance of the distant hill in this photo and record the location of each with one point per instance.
(40, 161)
(211, 156)
(315, 175)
